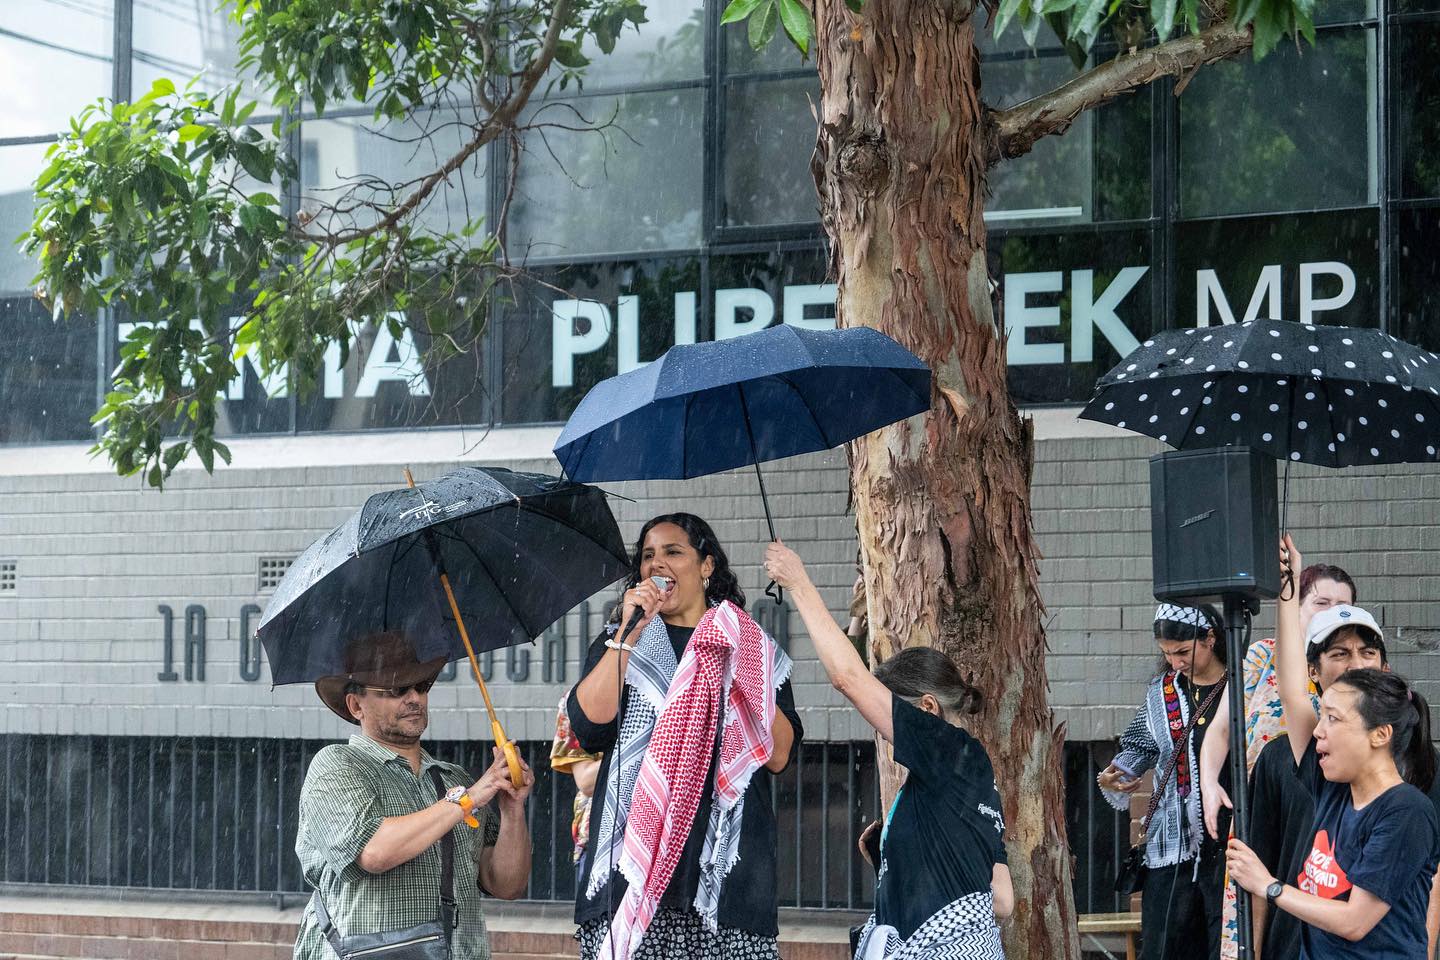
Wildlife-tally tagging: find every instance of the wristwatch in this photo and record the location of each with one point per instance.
(461, 798)
(1273, 891)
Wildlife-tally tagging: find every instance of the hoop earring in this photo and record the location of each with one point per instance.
(705, 584)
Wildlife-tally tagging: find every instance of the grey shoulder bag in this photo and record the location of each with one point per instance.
(428, 941)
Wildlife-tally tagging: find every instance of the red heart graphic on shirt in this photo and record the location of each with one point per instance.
(1321, 873)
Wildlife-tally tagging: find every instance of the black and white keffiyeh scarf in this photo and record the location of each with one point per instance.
(964, 929)
(649, 675)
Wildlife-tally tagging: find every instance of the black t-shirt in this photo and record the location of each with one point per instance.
(748, 896)
(1389, 849)
(947, 832)
(1282, 826)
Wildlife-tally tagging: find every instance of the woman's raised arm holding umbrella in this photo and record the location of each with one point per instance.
(943, 876)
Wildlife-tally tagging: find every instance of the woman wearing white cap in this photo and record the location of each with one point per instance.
(1180, 902)
(1365, 883)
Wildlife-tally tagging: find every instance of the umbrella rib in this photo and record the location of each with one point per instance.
(486, 568)
(805, 402)
(685, 437)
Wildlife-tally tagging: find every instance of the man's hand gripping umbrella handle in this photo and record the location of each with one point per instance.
(512, 756)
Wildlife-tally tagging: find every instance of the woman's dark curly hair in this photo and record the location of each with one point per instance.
(723, 583)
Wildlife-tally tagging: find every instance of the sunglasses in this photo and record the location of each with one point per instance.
(395, 693)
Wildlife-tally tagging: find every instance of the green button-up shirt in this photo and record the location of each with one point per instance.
(348, 790)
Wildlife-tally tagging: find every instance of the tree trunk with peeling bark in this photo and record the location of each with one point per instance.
(943, 501)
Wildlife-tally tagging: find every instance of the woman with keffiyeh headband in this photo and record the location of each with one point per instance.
(1181, 900)
(944, 879)
(682, 808)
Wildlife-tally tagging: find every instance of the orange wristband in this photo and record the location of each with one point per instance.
(465, 805)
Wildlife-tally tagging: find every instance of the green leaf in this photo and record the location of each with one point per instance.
(193, 131)
(254, 161)
(762, 25)
(246, 336)
(224, 452)
(1269, 27)
(739, 10)
(155, 478)
(163, 88)
(1162, 15)
(205, 447)
(1006, 13)
(567, 54)
(854, 5)
(797, 23)
(173, 456)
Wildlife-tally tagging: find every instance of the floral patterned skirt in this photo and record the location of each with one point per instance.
(679, 935)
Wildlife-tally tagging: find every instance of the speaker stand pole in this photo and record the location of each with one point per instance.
(1236, 606)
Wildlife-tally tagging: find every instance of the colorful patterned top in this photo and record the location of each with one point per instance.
(1264, 715)
(565, 752)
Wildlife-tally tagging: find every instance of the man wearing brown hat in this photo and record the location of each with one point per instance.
(379, 817)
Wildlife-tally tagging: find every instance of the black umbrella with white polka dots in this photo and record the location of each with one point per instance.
(1331, 396)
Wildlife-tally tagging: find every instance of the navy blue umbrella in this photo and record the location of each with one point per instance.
(708, 407)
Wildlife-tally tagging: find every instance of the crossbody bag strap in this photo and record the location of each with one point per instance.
(449, 911)
(327, 926)
(1183, 746)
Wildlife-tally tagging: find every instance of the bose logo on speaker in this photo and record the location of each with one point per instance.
(1197, 518)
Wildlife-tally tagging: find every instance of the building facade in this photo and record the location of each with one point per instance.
(1303, 187)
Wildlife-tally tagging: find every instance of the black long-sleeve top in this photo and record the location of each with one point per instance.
(748, 896)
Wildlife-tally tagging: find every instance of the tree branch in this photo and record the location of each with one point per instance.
(1014, 132)
(501, 119)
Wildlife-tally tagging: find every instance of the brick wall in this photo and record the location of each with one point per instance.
(80, 635)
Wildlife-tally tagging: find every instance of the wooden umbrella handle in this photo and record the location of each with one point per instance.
(512, 756)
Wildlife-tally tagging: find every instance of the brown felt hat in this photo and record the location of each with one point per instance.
(378, 660)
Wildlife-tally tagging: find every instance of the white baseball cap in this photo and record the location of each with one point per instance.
(1326, 622)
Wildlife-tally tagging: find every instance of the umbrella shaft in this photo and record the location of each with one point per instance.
(465, 638)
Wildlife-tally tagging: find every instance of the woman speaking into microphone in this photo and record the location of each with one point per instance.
(690, 702)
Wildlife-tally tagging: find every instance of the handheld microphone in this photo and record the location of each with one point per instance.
(665, 584)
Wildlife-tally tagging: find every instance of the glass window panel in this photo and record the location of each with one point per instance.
(557, 345)
(752, 291)
(776, 56)
(1229, 268)
(1295, 131)
(47, 374)
(249, 404)
(635, 186)
(1417, 296)
(385, 384)
(19, 166)
(670, 46)
(334, 152)
(769, 137)
(1418, 109)
(1097, 170)
(181, 39)
(1073, 305)
(1346, 11)
(55, 57)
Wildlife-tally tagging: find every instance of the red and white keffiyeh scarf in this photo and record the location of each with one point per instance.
(729, 660)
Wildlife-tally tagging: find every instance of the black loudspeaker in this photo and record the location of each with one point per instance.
(1214, 525)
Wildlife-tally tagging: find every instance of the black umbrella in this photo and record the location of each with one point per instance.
(1331, 396)
(502, 553)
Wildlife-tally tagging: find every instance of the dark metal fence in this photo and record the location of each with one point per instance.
(207, 813)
